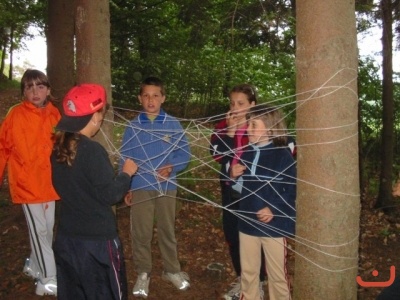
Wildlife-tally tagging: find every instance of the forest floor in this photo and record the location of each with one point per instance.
(200, 243)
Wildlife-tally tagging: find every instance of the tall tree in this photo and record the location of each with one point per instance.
(387, 145)
(328, 200)
(93, 60)
(60, 35)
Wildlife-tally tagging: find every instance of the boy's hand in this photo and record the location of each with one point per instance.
(396, 189)
(164, 172)
(128, 198)
(265, 215)
(129, 167)
(237, 170)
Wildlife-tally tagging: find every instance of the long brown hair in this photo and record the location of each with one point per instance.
(65, 146)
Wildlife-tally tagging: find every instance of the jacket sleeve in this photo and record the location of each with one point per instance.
(221, 145)
(110, 188)
(284, 190)
(180, 156)
(5, 146)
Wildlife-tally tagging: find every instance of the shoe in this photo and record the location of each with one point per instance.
(261, 290)
(48, 288)
(236, 296)
(141, 288)
(28, 271)
(234, 292)
(180, 279)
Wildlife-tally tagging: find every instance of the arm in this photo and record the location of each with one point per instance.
(110, 188)
(5, 148)
(179, 157)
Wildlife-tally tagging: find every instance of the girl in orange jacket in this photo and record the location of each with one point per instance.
(25, 147)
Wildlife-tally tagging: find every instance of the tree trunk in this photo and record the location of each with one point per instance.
(328, 200)
(93, 58)
(10, 71)
(60, 46)
(3, 58)
(385, 180)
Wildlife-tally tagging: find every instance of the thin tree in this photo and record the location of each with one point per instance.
(387, 146)
(328, 200)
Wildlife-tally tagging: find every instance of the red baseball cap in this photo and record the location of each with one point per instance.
(79, 104)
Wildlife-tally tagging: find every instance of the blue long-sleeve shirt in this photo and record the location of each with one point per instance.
(153, 144)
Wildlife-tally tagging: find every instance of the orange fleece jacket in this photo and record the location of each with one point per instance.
(26, 145)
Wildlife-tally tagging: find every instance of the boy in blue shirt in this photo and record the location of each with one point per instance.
(157, 143)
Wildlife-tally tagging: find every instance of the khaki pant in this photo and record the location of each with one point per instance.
(275, 261)
(150, 206)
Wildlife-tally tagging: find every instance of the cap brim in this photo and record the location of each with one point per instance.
(73, 124)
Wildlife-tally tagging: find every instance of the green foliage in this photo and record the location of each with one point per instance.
(201, 49)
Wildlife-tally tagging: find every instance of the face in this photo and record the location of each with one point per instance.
(239, 105)
(36, 93)
(151, 99)
(257, 132)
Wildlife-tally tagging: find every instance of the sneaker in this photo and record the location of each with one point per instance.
(180, 279)
(261, 290)
(141, 288)
(48, 288)
(234, 292)
(28, 271)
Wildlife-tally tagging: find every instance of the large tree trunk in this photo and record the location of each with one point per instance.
(60, 46)
(328, 200)
(385, 180)
(93, 58)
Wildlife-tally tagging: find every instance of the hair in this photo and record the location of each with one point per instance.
(66, 143)
(152, 81)
(273, 120)
(32, 76)
(65, 146)
(246, 89)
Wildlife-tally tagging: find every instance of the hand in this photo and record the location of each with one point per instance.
(265, 215)
(396, 189)
(164, 172)
(237, 170)
(129, 167)
(128, 198)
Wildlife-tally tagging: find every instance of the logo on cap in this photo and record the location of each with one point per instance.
(71, 106)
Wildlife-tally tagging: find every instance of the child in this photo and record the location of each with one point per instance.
(90, 262)
(25, 143)
(267, 203)
(157, 142)
(227, 143)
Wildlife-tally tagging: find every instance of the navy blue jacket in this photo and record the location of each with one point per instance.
(268, 181)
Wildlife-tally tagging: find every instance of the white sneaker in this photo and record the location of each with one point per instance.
(234, 292)
(28, 270)
(261, 290)
(47, 288)
(141, 288)
(180, 280)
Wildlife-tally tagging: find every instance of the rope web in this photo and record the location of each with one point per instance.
(202, 168)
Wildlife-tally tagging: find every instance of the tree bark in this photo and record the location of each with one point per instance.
(328, 196)
(60, 47)
(93, 58)
(387, 136)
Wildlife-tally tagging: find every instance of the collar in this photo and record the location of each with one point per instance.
(162, 116)
(268, 145)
